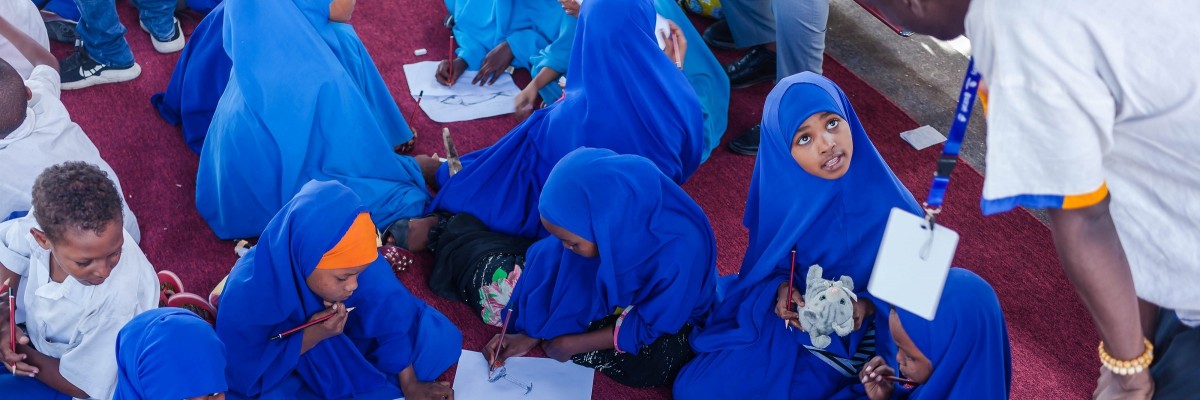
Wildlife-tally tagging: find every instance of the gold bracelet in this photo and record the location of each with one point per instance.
(1128, 367)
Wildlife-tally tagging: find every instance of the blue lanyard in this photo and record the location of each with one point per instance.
(958, 129)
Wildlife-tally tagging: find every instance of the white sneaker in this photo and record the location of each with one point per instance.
(170, 46)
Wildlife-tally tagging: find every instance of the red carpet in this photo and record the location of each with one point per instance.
(1052, 337)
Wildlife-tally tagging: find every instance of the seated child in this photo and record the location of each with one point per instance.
(20, 20)
(819, 188)
(492, 35)
(36, 131)
(625, 237)
(102, 55)
(327, 116)
(169, 353)
(962, 354)
(654, 114)
(200, 77)
(317, 257)
(82, 278)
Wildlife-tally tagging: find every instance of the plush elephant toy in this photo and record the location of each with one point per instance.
(828, 307)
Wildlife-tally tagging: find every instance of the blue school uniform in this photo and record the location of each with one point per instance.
(706, 75)
(314, 107)
(198, 81)
(538, 32)
(266, 294)
(653, 113)
(657, 255)
(745, 350)
(169, 353)
(967, 342)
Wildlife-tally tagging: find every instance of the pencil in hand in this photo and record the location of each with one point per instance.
(289, 332)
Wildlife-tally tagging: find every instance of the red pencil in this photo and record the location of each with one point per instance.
(451, 52)
(499, 346)
(906, 382)
(12, 321)
(307, 324)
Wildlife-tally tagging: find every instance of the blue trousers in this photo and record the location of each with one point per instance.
(796, 26)
(26, 388)
(103, 35)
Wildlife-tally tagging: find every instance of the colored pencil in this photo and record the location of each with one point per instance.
(307, 324)
(907, 382)
(12, 321)
(419, 97)
(499, 346)
(791, 280)
(451, 53)
(678, 58)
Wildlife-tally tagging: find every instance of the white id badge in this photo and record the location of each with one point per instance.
(910, 270)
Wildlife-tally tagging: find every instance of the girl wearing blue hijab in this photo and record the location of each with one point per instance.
(819, 188)
(318, 257)
(169, 353)
(962, 354)
(304, 101)
(653, 113)
(198, 81)
(626, 238)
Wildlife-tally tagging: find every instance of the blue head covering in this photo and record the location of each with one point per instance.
(267, 293)
(835, 223)
(657, 254)
(304, 102)
(169, 353)
(202, 72)
(625, 95)
(967, 342)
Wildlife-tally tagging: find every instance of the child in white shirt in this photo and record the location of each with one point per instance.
(82, 278)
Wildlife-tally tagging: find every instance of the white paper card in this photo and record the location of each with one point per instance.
(922, 137)
(463, 101)
(551, 380)
(910, 270)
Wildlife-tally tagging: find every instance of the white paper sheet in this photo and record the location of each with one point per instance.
(910, 270)
(551, 379)
(463, 101)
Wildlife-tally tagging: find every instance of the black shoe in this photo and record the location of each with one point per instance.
(718, 35)
(62, 31)
(79, 70)
(747, 144)
(755, 67)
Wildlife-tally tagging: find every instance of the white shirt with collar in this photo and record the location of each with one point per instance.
(47, 137)
(73, 322)
(26, 18)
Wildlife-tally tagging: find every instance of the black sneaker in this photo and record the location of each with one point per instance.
(747, 144)
(718, 36)
(79, 70)
(755, 67)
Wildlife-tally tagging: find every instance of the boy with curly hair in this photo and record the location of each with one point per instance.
(82, 277)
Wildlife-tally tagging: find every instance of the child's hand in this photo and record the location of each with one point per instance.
(788, 314)
(515, 345)
(416, 390)
(331, 327)
(676, 44)
(570, 6)
(14, 362)
(872, 379)
(863, 308)
(449, 70)
(494, 65)
(524, 102)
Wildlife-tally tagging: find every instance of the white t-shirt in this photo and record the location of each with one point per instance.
(23, 15)
(47, 137)
(73, 322)
(1087, 96)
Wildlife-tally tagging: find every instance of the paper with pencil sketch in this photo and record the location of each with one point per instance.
(550, 379)
(463, 101)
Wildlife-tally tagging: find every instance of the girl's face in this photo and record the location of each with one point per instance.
(912, 362)
(572, 241)
(822, 145)
(341, 10)
(334, 285)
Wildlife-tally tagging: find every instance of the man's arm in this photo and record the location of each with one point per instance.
(34, 52)
(1095, 262)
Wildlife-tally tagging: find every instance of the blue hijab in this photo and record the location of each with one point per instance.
(967, 342)
(169, 353)
(304, 101)
(657, 253)
(266, 293)
(625, 96)
(835, 223)
(200, 77)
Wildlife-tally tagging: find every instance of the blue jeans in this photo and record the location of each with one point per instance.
(103, 35)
